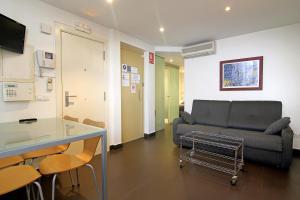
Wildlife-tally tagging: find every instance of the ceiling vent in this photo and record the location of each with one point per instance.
(203, 49)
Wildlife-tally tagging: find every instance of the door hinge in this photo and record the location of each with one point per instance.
(104, 55)
(104, 96)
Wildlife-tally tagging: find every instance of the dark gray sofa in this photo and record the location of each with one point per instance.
(246, 119)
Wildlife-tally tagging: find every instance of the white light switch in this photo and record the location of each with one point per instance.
(47, 29)
(42, 98)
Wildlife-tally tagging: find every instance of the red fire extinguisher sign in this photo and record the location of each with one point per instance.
(151, 57)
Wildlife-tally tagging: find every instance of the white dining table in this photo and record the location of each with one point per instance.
(18, 138)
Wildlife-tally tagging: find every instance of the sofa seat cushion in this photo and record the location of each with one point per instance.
(185, 128)
(255, 139)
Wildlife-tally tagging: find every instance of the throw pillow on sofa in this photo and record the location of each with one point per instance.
(277, 126)
(187, 117)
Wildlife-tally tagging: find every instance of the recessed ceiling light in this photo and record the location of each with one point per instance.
(227, 8)
(162, 29)
(109, 1)
(171, 60)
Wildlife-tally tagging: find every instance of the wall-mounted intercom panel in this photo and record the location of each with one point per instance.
(17, 91)
(45, 59)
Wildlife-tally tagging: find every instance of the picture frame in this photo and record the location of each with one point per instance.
(241, 74)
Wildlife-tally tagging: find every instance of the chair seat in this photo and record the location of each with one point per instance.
(13, 178)
(45, 152)
(9, 161)
(60, 163)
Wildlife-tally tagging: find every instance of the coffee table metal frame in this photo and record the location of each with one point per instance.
(230, 163)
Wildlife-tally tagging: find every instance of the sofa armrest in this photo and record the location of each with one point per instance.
(176, 122)
(287, 136)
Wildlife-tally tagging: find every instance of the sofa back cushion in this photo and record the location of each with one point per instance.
(254, 115)
(213, 113)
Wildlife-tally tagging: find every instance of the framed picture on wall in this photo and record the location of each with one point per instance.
(241, 74)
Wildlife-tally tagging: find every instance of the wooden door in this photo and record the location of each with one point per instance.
(132, 67)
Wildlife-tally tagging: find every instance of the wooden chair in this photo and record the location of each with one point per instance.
(55, 164)
(51, 150)
(94, 123)
(67, 117)
(10, 161)
(16, 177)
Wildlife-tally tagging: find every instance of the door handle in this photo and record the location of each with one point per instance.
(67, 99)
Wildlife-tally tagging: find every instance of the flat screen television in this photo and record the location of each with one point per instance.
(12, 35)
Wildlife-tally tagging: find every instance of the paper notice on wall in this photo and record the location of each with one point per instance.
(133, 88)
(135, 78)
(134, 70)
(125, 79)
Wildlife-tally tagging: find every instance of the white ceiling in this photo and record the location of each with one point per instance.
(185, 21)
(176, 57)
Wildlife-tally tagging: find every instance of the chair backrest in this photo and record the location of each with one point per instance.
(94, 123)
(67, 117)
(90, 145)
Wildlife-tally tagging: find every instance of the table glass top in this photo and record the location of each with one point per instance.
(15, 136)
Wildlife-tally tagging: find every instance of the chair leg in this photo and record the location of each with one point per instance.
(77, 174)
(38, 194)
(28, 192)
(33, 192)
(95, 179)
(53, 186)
(38, 185)
(71, 178)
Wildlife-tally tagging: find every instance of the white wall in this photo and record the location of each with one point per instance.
(32, 13)
(280, 48)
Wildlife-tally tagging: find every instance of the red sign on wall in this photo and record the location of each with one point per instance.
(151, 57)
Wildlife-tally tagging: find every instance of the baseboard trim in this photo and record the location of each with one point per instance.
(115, 147)
(151, 135)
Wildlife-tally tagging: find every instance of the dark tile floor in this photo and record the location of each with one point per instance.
(148, 169)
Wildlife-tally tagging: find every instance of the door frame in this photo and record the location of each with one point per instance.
(59, 29)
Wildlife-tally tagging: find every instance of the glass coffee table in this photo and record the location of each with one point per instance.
(216, 151)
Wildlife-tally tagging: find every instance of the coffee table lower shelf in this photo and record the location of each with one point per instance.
(220, 162)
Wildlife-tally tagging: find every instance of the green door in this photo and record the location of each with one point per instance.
(159, 93)
(171, 92)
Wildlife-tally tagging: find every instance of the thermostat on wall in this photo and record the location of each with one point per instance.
(16, 91)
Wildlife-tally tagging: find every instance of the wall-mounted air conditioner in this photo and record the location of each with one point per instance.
(203, 49)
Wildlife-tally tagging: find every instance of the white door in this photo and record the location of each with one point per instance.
(82, 79)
